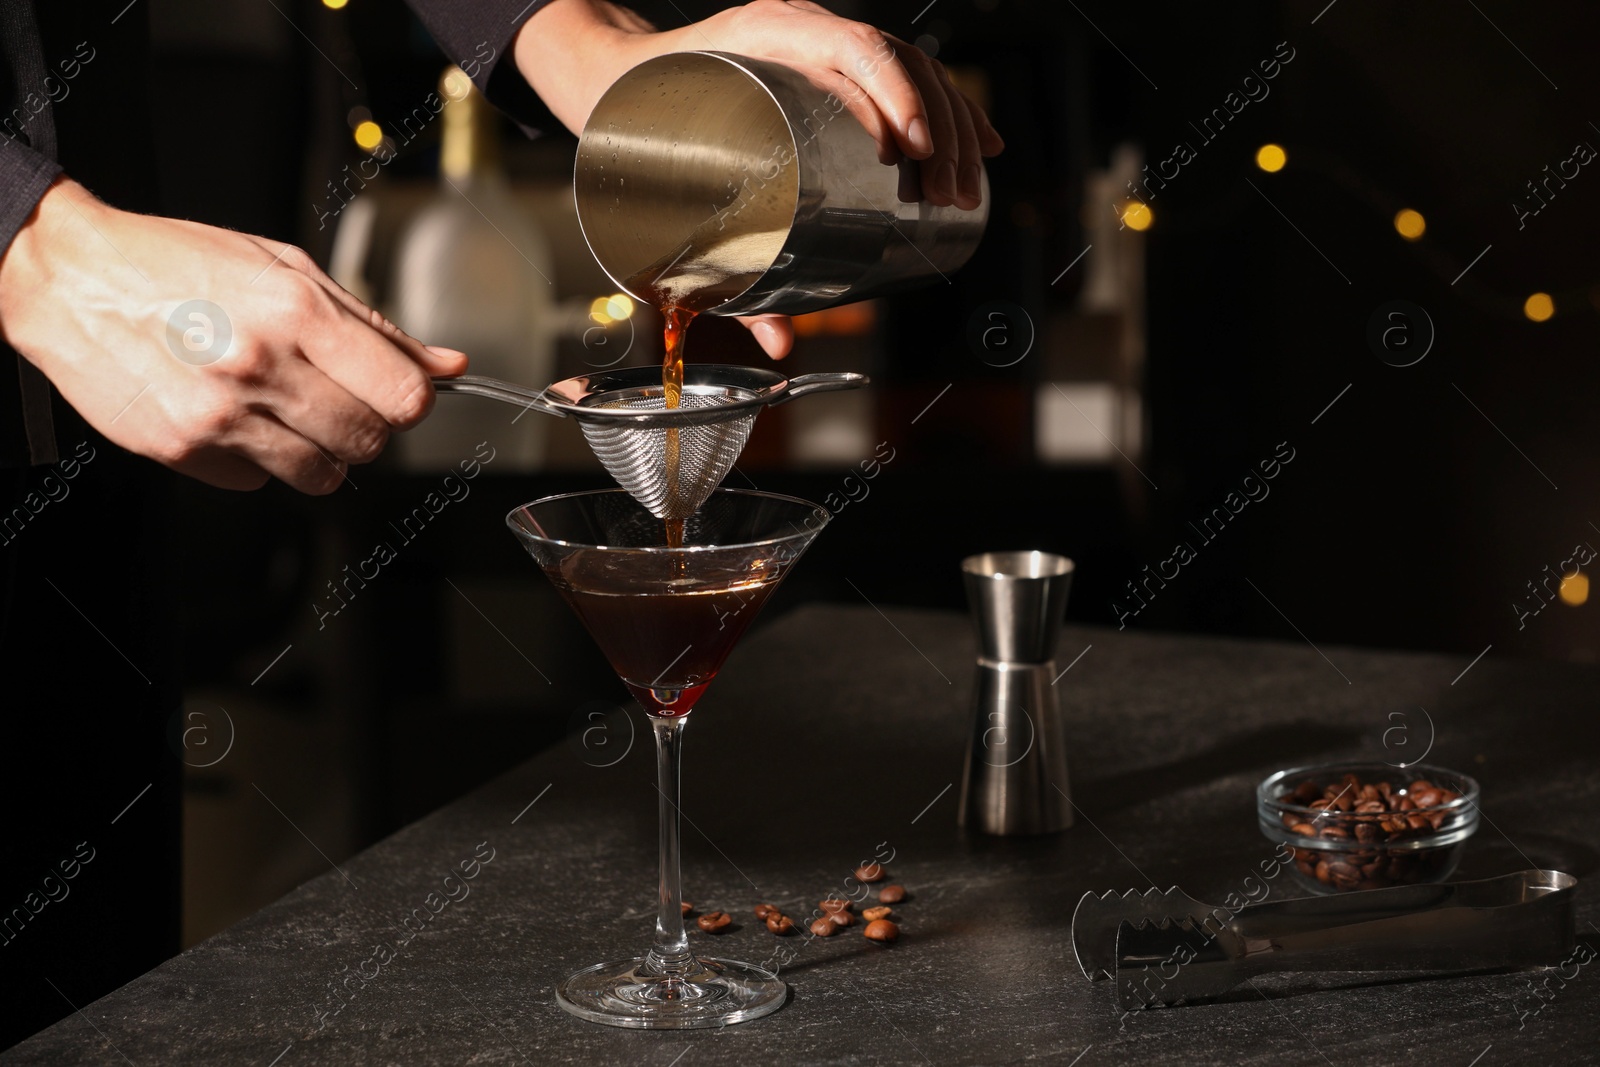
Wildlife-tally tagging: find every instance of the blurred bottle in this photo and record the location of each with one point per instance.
(473, 272)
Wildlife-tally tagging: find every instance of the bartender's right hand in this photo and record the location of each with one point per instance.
(226, 357)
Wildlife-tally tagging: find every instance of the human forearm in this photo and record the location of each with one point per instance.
(572, 50)
(225, 356)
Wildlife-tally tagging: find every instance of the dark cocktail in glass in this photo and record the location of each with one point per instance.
(666, 617)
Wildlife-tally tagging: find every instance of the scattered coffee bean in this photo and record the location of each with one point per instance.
(686, 906)
(822, 927)
(714, 922)
(892, 894)
(766, 911)
(780, 924)
(841, 918)
(874, 914)
(881, 930)
(870, 872)
(830, 906)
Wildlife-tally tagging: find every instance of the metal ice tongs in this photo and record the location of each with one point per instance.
(1167, 948)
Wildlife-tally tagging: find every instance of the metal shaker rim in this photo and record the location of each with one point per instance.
(1030, 563)
(622, 245)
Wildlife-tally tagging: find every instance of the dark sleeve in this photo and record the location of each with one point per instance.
(26, 432)
(477, 36)
(24, 176)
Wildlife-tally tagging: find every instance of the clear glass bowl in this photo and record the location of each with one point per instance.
(1369, 825)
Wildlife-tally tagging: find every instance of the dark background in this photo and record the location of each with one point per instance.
(1407, 518)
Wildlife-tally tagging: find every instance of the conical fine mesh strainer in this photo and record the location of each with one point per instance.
(625, 419)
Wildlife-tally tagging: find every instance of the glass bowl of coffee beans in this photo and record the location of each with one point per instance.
(1354, 826)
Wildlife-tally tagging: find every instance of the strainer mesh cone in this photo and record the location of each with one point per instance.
(636, 456)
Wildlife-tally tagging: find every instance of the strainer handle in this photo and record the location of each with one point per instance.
(820, 383)
(495, 389)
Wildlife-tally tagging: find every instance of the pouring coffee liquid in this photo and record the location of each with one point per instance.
(694, 280)
(749, 189)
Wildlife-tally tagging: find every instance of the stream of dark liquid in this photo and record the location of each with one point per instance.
(677, 329)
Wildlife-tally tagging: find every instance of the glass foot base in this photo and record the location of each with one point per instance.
(715, 992)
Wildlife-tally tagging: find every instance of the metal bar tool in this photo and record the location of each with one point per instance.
(1167, 948)
(1015, 780)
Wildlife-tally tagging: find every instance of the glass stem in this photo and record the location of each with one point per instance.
(671, 952)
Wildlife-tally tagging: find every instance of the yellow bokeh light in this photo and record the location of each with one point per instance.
(334, 4)
(1271, 158)
(1410, 224)
(1137, 215)
(600, 310)
(368, 134)
(1539, 307)
(1575, 589)
(619, 306)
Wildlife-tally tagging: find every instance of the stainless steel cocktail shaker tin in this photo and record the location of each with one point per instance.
(1015, 780)
(748, 158)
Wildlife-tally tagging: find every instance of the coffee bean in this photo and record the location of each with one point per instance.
(842, 918)
(881, 930)
(870, 872)
(892, 894)
(822, 927)
(830, 906)
(780, 924)
(766, 911)
(1426, 798)
(1303, 829)
(686, 906)
(874, 914)
(714, 922)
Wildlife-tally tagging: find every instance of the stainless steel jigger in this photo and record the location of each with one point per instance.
(1016, 776)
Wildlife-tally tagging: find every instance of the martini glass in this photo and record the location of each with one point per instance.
(666, 618)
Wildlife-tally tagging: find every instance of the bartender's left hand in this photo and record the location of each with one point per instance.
(571, 51)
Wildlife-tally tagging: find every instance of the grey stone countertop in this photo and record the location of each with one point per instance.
(836, 731)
